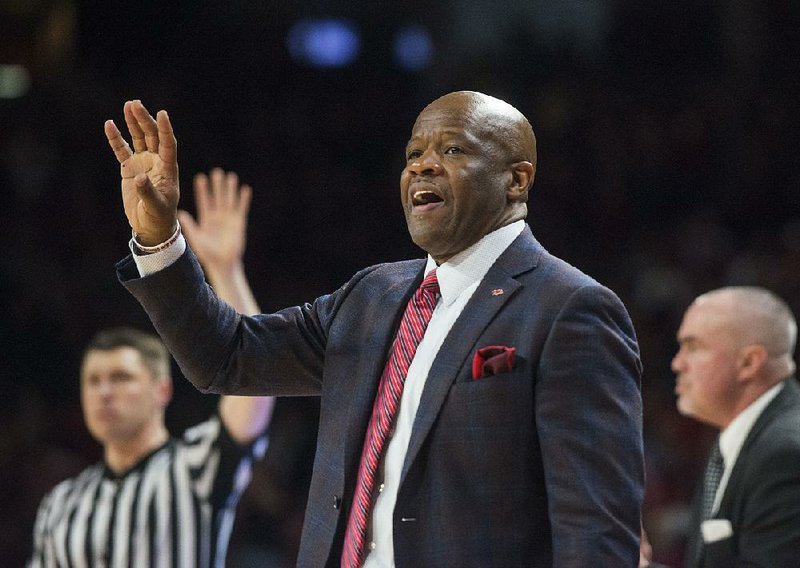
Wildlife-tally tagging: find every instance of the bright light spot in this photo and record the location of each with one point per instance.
(413, 47)
(324, 42)
(15, 81)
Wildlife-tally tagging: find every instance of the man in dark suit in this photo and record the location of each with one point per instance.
(516, 438)
(735, 372)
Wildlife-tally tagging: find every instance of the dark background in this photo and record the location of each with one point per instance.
(667, 132)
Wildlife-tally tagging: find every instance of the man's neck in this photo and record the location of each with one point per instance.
(120, 457)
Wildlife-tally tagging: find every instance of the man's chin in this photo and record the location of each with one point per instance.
(683, 407)
(425, 238)
(687, 409)
(100, 436)
(105, 434)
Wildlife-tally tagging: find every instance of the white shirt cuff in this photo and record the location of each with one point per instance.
(151, 263)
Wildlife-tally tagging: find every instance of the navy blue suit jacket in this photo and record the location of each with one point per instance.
(540, 466)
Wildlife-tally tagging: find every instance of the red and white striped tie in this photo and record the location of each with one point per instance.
(412, 328)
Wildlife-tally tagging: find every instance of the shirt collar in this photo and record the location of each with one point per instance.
(471, 265)
(109, 473)
(732, 438)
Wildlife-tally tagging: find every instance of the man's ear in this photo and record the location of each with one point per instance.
(752, 359)
(522, 174)
(165, 390)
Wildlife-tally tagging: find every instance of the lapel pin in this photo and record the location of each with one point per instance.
(497, 292)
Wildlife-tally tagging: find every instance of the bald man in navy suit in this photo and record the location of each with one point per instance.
(518, 439)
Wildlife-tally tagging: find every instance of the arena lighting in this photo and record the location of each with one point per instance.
(325, 43)
(15, 81)
(413, 47)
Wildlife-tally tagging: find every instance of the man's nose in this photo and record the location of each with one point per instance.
(677, 363)
(427, 164)
(104, 388)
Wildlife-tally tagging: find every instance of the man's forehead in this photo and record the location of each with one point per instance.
(706, 319)
(112, 357)
(423, 130)
(453, 122)
(465, 110)
(454, 117)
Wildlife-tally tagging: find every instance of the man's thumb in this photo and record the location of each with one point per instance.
(143, 186)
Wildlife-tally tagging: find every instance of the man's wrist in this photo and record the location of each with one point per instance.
(145, 249)
(222, 270)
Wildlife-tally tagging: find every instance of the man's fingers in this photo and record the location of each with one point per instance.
(232, 190)
(147, 124)
(217, 176)
(167, 144)
(245, 197)
(219, 190)
(118, 144)
(201, 195)
(137, 135)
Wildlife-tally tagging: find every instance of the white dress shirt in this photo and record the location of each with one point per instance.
(732, 438)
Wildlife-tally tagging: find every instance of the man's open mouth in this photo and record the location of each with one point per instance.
(424, 197)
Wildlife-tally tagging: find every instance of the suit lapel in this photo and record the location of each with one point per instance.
(521, 256)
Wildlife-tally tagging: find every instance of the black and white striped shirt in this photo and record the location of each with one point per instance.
(174, 509)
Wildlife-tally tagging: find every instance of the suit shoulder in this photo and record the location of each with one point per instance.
(528, 259)
(558, 274)
(783, 412)
(777, 444)
(783, 430)
(387, 273)
(567, 273)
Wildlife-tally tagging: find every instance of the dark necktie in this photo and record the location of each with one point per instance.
(412, 328)
(713, 474)
(714, 469)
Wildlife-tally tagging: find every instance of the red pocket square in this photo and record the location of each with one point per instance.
(492, 360)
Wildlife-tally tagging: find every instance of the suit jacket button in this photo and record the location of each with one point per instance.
(337, 502)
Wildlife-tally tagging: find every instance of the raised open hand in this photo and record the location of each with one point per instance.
(149, 173)
(218, 236)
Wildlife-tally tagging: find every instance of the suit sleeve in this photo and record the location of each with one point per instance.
(589, 420)
(223, 352)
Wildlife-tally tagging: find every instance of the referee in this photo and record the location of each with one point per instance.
(157, 500)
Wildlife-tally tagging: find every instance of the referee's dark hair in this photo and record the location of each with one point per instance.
(153, 352)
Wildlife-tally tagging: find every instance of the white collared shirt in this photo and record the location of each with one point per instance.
(458, 279)
(732, 438)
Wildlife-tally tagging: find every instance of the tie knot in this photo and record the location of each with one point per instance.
(430, 284)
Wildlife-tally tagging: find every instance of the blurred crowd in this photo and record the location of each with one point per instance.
(667, 136)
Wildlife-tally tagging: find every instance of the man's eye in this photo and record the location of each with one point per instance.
(453, 150)
(413, 155)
